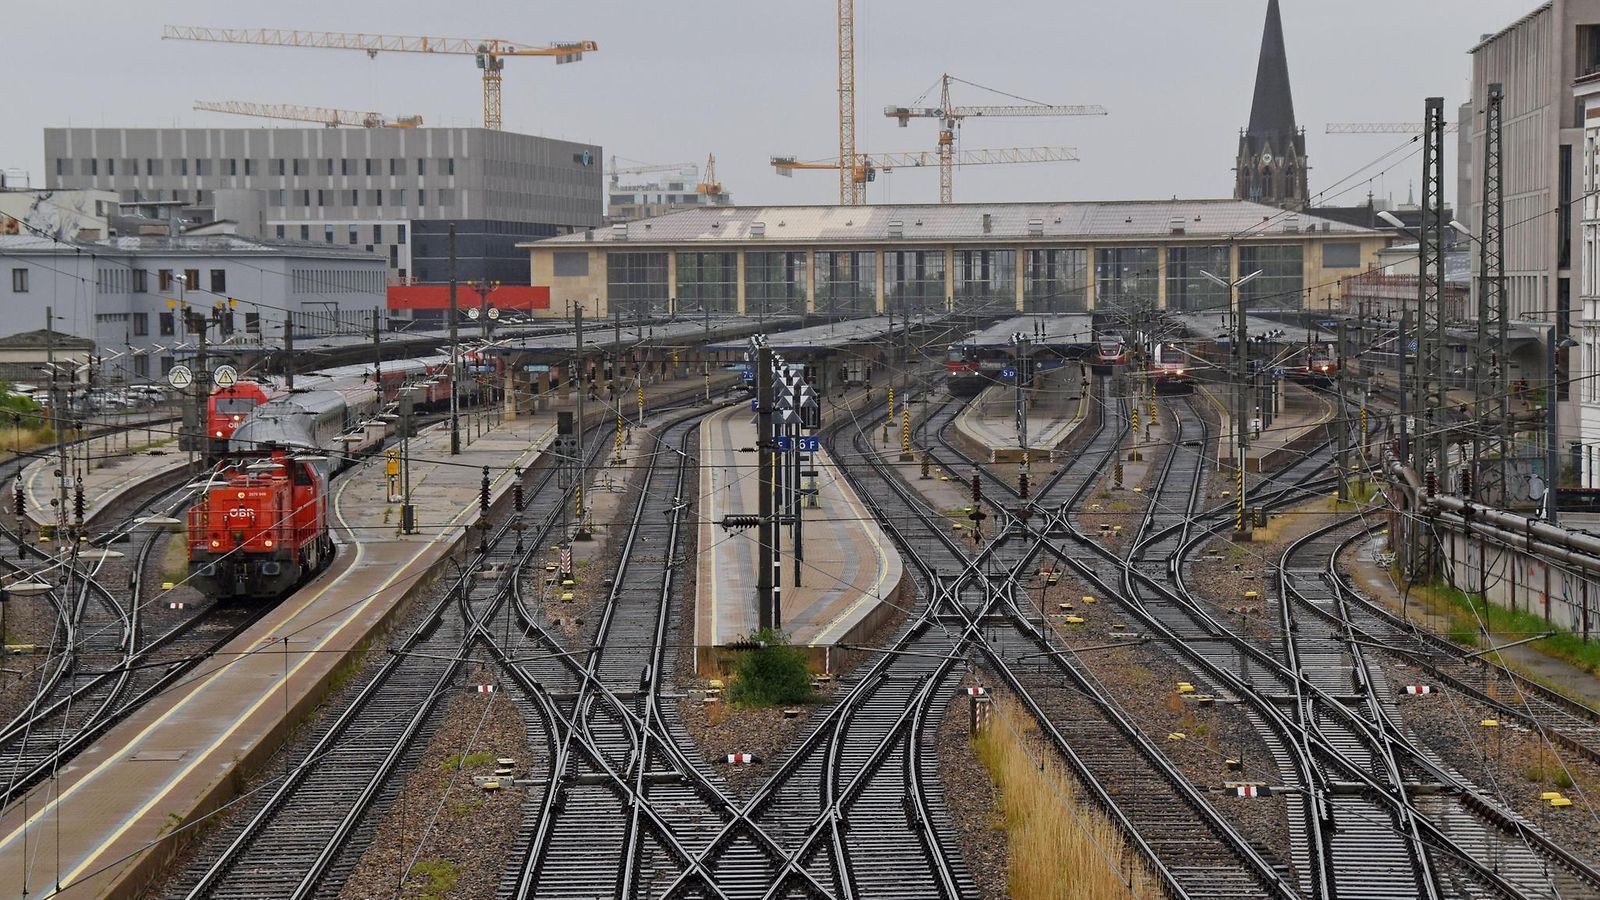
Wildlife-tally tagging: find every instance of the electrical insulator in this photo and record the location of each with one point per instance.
(1466, 482)
(19, 498)
(516, 496)
(977, 499)
(77, 501)
(1431, 479)
(483, 494)
(1022, 484)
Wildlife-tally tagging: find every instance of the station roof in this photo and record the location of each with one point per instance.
(977, 222)
(1216, 324)
(829, 336)
(601, 334)
(1044, 329)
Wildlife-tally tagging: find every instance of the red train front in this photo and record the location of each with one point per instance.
(260, 528)
(230, 406)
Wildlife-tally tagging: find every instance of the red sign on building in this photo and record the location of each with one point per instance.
(506, 297)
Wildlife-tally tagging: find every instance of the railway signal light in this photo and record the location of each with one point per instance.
(20, 500)
(1022, 485)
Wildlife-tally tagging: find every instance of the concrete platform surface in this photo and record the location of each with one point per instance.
(849, 564)
(1300, 424)
(100, 829)
(110, 467)
(990, 419)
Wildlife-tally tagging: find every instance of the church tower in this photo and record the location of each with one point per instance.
(1271, 168)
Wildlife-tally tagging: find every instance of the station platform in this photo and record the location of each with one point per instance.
(1055, 407)
(1297, 427)
(850, 567)
(112, 466)
(108, 818)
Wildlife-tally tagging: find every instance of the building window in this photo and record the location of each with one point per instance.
(164, 280)
(913, 279)
(1341, 255)
(450, 165)
(191, 279)
(422, 197)
(219, 281)
(355, 197)
(1187, 288)
(774, 282)
(201, 167)
(636, 283)
(277, 166)
(986, 279)
(447, 196)
(1055, 280)
(353, 238)
(141, 324)
(165, 322)
(111, 167)
(394, 166)
(299, 165)
(377, 198)
(377, 234)
(94, 167)
(570, 264)
(400, 197)
(249, 167)
(305, 198)
(399, 234)
(321, 198)
(846, 282)
(61, 166)
(141, 366)
(422, 167)
(327, 234)
(152, 167)
(327, 167)
(1282, 275)
(19, 281)
(233, 167)
(344, 167)
(708, 281)
(280, 232)
(305, 232)
(252, 322)
(1126, 277)
(371, 166)
(140, 281)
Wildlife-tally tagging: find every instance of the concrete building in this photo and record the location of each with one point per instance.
(970, 258)
(1585, 358)
(117, 292)
(390, 191)
(64, 215)
(659, 196)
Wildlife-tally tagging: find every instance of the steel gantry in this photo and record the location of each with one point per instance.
(1492, 408)
(1429, 444)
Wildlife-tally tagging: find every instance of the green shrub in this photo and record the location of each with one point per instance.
(775, 675)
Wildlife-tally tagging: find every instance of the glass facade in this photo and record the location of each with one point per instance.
(708, 281)
(846, 282)
(1126, 277)
(986, 280)
(636, 282)
(913, 279)
(1187, 288)
(1055, 280)
(774, 282)
(1282, 280)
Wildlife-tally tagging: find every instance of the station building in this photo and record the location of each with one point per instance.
(966, 259)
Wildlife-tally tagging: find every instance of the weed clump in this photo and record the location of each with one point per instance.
(771, 675)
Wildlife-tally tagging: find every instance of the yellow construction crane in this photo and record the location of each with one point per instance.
(332, 118)
(490, 52)
(953, 115)
(870, 164)
(1380, 127)
(709, 185)
(681, 168)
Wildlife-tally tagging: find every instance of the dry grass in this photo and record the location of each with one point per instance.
(1061, 846)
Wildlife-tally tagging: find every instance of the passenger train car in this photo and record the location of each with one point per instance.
(228, 407)
(1110, 352)
(260, 526)
(1171, 369)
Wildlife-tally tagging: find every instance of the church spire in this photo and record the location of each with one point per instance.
(1271, 167)
(1272, 109)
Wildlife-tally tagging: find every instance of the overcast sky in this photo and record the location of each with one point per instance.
(747, 79)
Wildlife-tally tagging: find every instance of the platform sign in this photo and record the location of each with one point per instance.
(473, 314)
(225, 376)
(1279, 372)
(810, 443)
(747, 375)
(783, 443)
(180, 376)
(1008, 372)
(494, 312)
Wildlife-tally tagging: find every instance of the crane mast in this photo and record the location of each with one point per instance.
(852, 181)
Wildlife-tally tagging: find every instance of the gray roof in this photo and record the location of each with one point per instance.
(205, 245)
(829, 336)
(1059, 328)
(1114, 220)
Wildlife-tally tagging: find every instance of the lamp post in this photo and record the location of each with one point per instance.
(1241, 370)
(1552, 424)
